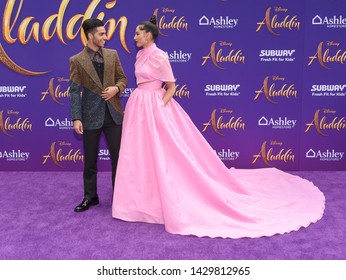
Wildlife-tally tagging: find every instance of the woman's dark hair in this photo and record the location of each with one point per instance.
(90, 24)
(150, 26)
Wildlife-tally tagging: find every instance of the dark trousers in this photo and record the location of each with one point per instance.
(91, 141)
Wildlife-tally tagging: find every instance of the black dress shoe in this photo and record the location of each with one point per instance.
(86, 203)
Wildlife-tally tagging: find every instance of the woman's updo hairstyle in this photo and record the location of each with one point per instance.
(150, 26)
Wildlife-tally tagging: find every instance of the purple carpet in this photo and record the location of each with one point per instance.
(37, 222)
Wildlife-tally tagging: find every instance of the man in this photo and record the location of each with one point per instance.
(96, 72)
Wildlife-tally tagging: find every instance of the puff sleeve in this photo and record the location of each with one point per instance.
(160, 66)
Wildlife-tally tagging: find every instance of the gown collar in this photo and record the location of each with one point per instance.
(149, 49)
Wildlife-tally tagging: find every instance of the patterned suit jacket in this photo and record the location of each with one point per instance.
(89, 107)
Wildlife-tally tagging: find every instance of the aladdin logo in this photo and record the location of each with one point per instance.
(62, 124)
(55, 92)
(271, 91)
(280, 123)
(60, 155)
(217, 56)
(273, 23)
(127, 92)
(28, 29)
(277, 55)
(175, 22)
(222, 90)
(321, 123)
(220, 22)
(334, 22)
(227, 154)
(19, 124)
(181, 91)
(325, 155)
(324, 56)
(328, 90)
(14, 155)
(271, 155)
(104, 154)
(218, 123)
(179, 56)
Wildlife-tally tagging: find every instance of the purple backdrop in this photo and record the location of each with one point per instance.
(262, 80)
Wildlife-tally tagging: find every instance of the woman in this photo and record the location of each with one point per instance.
(168, 173)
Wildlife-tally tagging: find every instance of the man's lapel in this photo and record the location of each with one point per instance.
(87, 64)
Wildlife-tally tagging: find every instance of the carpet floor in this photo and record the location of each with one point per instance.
(38, 223)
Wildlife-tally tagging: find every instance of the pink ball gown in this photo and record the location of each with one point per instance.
(169, 174)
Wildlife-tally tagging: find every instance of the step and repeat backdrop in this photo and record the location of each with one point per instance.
(264, 81)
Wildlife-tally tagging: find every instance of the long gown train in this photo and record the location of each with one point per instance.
(169, 174)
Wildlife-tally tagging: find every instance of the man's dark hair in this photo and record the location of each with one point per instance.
(90, 24)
